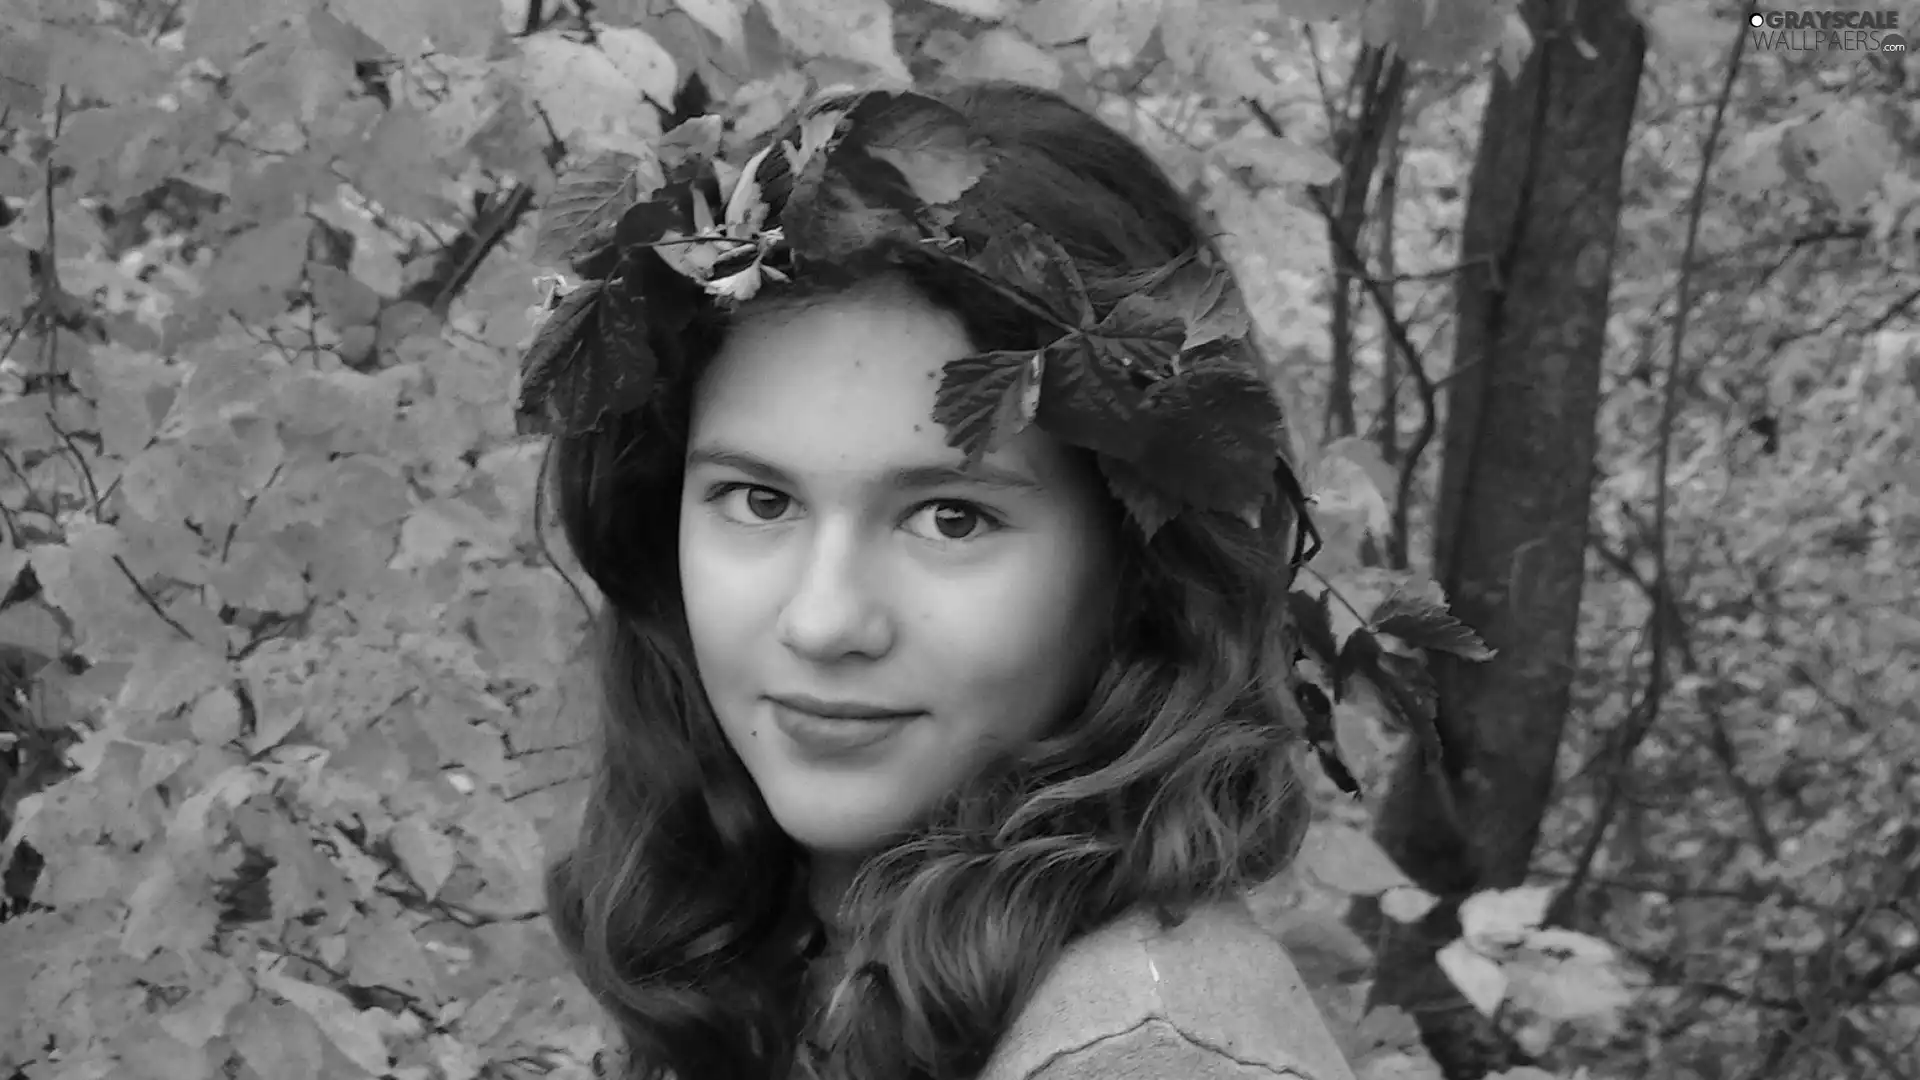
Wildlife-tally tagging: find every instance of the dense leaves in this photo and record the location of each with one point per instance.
(290, 698)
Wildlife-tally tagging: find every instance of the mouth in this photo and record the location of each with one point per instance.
(841, 710)
(838, 730)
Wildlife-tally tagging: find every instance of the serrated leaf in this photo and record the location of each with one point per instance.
(1478, 979)
(1349, 860)
(1213, 436)
(556, 347)
(1147, 507)
(1029, 260)
(588, 202)
(986, 399)
(1421, 623)
(1092, 404)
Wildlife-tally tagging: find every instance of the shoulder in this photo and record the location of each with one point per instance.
(1213, 998)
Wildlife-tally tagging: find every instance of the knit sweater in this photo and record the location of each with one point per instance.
(1215, 998)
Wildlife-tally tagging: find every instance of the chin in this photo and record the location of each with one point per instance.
(839, 831)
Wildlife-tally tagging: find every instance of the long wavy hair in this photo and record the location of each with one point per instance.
(684, 907)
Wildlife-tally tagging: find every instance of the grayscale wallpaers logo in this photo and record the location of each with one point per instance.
(1827, 31)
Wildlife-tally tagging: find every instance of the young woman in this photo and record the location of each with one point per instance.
(946, 718)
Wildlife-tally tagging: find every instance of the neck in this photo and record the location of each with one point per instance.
(831, 873)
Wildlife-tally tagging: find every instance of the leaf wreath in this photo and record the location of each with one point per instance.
(1160, 386)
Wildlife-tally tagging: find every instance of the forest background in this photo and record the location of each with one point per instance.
(1596, 322)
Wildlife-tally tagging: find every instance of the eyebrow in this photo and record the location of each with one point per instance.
(905, 478)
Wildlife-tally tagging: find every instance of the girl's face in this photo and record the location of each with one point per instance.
(871, 623)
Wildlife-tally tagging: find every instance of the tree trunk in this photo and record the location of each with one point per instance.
(1517, 475)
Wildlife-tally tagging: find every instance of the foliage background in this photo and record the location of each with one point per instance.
(293, 697)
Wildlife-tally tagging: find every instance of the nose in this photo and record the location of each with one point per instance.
(833, 612)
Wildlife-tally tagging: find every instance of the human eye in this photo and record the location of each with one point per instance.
(748, 504)
(954, 520)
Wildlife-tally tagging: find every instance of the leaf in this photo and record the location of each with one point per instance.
(1117, 39)
(1564, 975)
(1398, 1065)
(979, 9)
(588, 202)
(425, 852)
(1091, 404)
(1479, 979)
(1278, 160)
(1002, 54)
(1213, 436)
(556, 347)
(203, 1017)
(987, 399)
(401, 29)
(591, 103)
(99, 62)
(1142, 333)
(1323, 947)
(638, 57)
(1495, 917)
(1219, 43)
(1349, 860)
(930, 143)
(857, 30)
(1147, 507)
(355, 1032)
(1424, 624)
(1057, 22)
(262, 262)
(341, 297)
(169, 909)
(1407, 903)
(721, 18)
(16, 283)
(279, 1041)
(1034, 263)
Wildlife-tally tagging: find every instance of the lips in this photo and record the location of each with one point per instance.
(840, 710)
(830, 729)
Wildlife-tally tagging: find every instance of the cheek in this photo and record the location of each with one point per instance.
(1016, 652)
(725, 604)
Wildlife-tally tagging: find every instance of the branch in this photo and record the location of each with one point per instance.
(1396, 327)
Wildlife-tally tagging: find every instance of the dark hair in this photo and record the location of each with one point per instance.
(683, 906)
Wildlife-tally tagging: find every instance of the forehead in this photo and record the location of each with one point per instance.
(844, 384)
